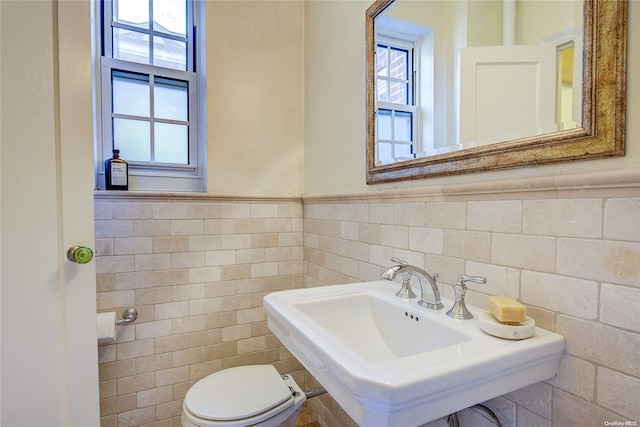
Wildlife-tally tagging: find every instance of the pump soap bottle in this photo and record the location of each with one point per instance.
(116, 172)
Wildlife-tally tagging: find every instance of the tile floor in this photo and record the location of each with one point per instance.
(306, 418)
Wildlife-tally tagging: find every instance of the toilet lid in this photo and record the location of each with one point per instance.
(237, 393)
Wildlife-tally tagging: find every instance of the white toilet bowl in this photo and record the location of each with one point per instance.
(255, 395)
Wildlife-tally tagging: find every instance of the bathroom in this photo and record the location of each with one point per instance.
(298, 213)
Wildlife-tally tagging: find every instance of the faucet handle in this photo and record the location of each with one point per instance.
(475, 279)
(459, 309)
(399, 261)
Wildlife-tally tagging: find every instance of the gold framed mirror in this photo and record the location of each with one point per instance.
(598, 133)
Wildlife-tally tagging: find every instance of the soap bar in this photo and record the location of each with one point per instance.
(506, 309)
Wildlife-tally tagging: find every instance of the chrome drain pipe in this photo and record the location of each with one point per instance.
(452, 419)
(315, 392)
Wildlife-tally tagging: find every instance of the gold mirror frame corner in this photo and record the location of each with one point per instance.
(604, 109)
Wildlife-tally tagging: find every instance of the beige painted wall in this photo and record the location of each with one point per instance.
(335, 121)
(255, 110)
(335, 106)
(535, 20)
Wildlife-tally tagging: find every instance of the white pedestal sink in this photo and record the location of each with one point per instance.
(389, 362)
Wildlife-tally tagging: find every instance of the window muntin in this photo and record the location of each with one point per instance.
(152, 32)
(396, 135)
(150, 117)
(393, 65)
(149, 93)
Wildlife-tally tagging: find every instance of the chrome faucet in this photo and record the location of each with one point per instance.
(459, 309)
(409, 270)
(405, 291)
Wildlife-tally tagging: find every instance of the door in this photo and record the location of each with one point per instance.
(49, 371)
(506, 93)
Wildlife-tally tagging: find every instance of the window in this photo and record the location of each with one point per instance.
(396, 121)
(152, 94)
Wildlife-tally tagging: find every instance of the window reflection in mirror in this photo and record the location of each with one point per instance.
(456, 75)
(396, 101)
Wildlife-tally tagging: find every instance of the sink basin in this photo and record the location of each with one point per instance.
(376, 329)
(390, 362)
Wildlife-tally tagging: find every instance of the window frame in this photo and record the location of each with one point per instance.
(412, 107)
(154, 176)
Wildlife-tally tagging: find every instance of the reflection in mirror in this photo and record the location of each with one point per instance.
(454, 75)
(467, 79)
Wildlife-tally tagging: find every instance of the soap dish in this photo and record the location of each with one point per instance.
(511, 332)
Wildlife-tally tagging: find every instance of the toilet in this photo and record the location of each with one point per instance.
(254, 395)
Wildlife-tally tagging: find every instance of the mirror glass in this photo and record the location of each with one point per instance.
(452, 80)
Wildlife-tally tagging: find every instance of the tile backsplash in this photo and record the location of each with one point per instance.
(570, 253)
(197, 268)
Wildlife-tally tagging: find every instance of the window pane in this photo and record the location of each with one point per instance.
(171, 99)
(402, 126)
(383, 90)
(130, 94)
(382, 61)
(398, 63)
(403, 151)
(169, 53)
(132, 138)
(384, 124)
(172, 143)
(130, 46)
(398, 93)
(131, 12)
(170, 16)
(384, 152)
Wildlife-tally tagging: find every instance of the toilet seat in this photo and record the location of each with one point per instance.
(239, 396)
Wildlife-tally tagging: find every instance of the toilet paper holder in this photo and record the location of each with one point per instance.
(128, 316)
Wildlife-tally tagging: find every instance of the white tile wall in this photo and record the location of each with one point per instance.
(574, 261)
(196, 271)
